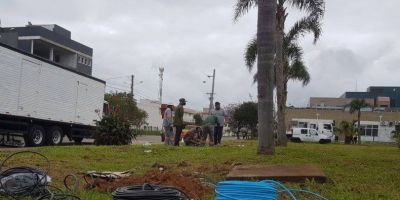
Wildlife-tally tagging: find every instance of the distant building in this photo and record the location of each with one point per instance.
(152, 108)
(154, 119)
(379, 98)
(50, 42)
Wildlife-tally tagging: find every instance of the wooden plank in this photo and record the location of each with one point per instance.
(283, 173)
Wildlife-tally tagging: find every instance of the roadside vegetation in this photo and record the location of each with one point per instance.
(367, 171)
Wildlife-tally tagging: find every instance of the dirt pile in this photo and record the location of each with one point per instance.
(186, 182)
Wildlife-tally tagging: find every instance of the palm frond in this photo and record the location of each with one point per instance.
(315, 8)
(250, 55)
(305, 25)
(293, 51)
(298, 71)
(242, 7)
(357, 105)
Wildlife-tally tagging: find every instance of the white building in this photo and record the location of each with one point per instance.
(154, 118)
(152, 108)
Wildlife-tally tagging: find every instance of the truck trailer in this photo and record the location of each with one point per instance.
(42, 101)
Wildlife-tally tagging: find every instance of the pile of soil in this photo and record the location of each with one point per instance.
(191, 186)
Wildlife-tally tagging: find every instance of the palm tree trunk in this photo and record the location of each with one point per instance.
(266, 26)
(358, 126)
(282, 139)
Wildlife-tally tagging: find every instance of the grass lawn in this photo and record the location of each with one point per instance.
(354, 171)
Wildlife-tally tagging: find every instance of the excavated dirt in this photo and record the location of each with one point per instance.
(184, 181)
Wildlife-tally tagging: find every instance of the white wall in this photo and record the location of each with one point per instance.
(152, 109)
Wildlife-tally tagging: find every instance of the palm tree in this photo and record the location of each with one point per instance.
(315, 10)
(294, 68)
(266, 24)
(355, 106)
(347, 129)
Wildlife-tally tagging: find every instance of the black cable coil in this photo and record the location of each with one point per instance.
(148, 192)
(32, 182)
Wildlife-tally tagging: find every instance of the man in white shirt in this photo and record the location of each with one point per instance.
(220, 114)
(167, 124)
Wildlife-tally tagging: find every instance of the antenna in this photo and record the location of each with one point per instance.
(161, 75)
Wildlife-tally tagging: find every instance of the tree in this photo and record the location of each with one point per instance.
(347, 129)
(125, 107)
(197, 119)
(246, 115)
(266, 24)
(355, 106)
(315, 10)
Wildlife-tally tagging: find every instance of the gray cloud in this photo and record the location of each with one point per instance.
(190, 38)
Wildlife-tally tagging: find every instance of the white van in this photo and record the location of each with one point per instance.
(323, 126)
(309, 135)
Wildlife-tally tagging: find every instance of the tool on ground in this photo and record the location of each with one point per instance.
(262, 190)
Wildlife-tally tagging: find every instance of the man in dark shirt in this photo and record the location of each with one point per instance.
(178, 121)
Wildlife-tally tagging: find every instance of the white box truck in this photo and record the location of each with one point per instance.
(41, 102)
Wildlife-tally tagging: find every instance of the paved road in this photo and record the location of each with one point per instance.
(139, 141)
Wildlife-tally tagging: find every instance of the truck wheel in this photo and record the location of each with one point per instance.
(36, 136)
(321, 141)
(54, 135)
(77, 140)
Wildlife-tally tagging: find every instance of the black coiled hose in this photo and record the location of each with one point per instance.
(148, 192)
(20, 182)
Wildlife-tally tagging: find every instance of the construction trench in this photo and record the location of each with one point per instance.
(162, 182)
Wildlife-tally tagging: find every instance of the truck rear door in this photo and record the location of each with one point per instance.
(29, 88)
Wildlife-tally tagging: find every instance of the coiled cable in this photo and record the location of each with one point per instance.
(22, 181)
(148, 192)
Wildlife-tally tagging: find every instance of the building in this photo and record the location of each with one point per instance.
(152, 108)
(379, 98)
(387, 97)
(154, 118)
(50, 42)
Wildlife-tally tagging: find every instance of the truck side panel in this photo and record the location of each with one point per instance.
(9, 82)
(33, 88)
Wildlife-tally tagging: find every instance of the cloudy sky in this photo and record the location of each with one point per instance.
(359, 46)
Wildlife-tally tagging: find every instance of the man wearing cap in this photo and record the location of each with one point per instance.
(178, 121)
(220, 114)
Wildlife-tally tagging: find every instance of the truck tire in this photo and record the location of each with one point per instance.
(54, 135)
(36, 136)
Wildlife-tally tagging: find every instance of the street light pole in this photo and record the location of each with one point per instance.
(212, 93)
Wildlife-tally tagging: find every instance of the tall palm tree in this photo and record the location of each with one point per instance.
(294, 68)
(355, 106)
(266, 24)
(315, 10)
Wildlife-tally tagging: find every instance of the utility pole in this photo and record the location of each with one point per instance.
(212, 93)
(161, 76)
(132, 81)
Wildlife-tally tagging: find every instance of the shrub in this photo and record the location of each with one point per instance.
(396, 137)
(112, 130)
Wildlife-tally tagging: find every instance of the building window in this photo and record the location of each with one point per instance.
(369, 130)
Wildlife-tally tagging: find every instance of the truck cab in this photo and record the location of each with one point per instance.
(309, 135)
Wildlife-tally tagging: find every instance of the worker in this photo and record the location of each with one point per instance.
(193, 137)
(208, 129)
(178, 121)
(167, 125)
(220, 114)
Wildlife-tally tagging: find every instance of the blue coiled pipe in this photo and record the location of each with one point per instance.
(262, 190)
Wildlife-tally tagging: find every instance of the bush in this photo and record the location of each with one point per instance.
(112, 130)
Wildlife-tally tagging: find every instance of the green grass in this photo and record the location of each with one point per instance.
(354, 171)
